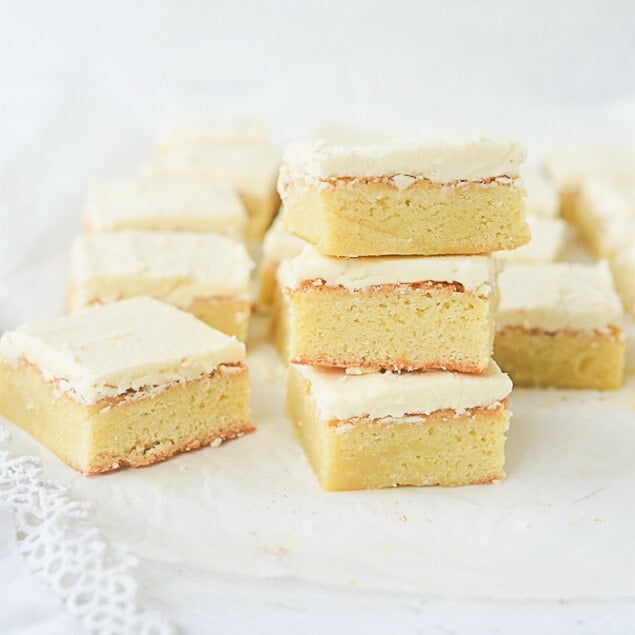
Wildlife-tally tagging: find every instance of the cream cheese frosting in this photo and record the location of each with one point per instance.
(251, 169)
(108, 350)
(558, 296)
(476, 273)
(279, 244)
(171, 203)
(177, 267)
(547, 241)
(442, 160)
(338, 395)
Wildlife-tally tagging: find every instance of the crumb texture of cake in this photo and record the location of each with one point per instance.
(124, 384)
(384, 429)
(462, 196)
(559, 325)
(203, 273)
(400, 313)
(170, 203)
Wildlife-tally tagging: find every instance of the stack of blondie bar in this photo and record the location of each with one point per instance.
(390, 308)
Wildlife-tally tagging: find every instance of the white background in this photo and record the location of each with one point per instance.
(538, 68)
(85, 85)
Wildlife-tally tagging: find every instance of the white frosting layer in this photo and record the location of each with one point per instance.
(558, 296)
(173, 203)
(279, 244)
(134, 344)
(213, 130)
(476, 273)
(338, 395)
(568, 164)
(252, 169)
(547, 241)
(542, 195)
(442, 160)
(175, 267)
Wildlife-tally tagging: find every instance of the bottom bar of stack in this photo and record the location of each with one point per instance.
(386, 429)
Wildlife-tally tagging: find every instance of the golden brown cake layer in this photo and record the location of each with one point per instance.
(130, 430)
(425, 325)
(357, 217)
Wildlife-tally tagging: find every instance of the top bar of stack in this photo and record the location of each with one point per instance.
(443, 197)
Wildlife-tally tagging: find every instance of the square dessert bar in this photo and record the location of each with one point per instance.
(277, 246)
(252, 169)
(124, 384)
(171, 204)
(548, 236)
(558, 325)
(405, 197)
(203, 273)
(384, 429)
(396, 313)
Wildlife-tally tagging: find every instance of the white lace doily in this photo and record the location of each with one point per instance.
(93, 579)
